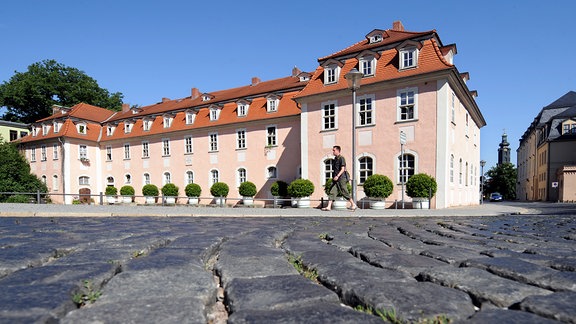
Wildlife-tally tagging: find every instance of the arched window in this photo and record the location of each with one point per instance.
(241, 176)
(327, 170)
(407, 167)
(127, 178)
(167, 178)
(44, 179)
(452, 168)
(366, 168)
(55, 183)
(110, 181)
(214, 177)
(272, 172)
(189, 177)
(460, 172)
(84, 181)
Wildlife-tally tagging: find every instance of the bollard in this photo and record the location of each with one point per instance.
(101, 198)
(37, 196)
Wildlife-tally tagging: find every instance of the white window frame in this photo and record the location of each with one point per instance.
(166, 178)
(145, 149)
(43, 155)
(213, 142)
(242, 109)
(271, 138)
(367, 65)
(108, 153)
(167, 121)
(127, 178)
(401, 105)
(328, 171)
(55, 183)
(188, 145)
(127, 127)
(126, 151)
(55, 152)
(56, 127)
(82, 128)
(241, 139)
(214, 113)
(272, 104)
(331, 74)
(408, 57)
(84, 180)
(398, 166)
(364, 171)
(326, 118)
(371, 111)
(45, 129)
(146, 124)
(190, 118)
(33, 154)
(82, 152)
(110, 130)
(165, 147)
(241, 176)
(189, 177)
(453, 109)
(213, 177)
(146, 178)
(273, 174)
(452, 168)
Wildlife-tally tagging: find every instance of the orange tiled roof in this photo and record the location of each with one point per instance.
(83, 111)
(67, 129)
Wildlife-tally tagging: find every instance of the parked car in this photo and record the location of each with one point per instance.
(495, 196)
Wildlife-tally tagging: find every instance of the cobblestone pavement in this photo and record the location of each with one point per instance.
(308, 269)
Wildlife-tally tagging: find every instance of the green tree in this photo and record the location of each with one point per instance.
(30, 95)
(502, 179)
(15, 173)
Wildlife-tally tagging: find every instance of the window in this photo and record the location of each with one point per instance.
(84, 181)
(145, 149)
(146, 178)
(407, 105)
(127, 127)
(110, 130)
(55, 183)
(242, 109)
(34, 131)
(408, 57)
(81, 128)
(56, 126)
(375, 38)
(214, 113)
(213, 142)
(127, 151)
(110, 181)
(214, 177)
(22, 133)
(83, 152)
(33, 154)
(573, 129)
(565, 131)
(44, 179)
(460, 172)
(127, 179)
(43, 153)
(367, 65)
(241, 139)
(13, 135)
(452, 168)
(146, 124)
(272, 103)
(166, 147)
(189, 177)
(45, 129)
(167, 178)
(365, 111)
(329, 116)
(466, 175)
(168, 121)
(241, 176)
(55, 151)
(406, 168)
(188, 149)
(327, 170)
(271, 136)
(331, 74)
(108, 152)
(190, 117)
(272, 172)
(366, 168)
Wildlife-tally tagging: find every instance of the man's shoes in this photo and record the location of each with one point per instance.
(326, 209)
(352, 209)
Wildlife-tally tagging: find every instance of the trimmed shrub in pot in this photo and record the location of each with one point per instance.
(247, 190)
(421, 187)
(150, 192)
(279, 189)
(170, 191)
(339, 203)
(127, 193)
(378, 187)
(193, 191)
(301, 189)
(219, 191)
(111, 193)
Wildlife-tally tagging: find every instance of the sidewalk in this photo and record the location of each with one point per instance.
(487, 209)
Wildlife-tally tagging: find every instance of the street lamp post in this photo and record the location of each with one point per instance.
(353, 78)
(482, 164)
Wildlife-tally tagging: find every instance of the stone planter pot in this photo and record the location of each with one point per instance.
(303, 202)
(294, 202)
(111, 199)
(170, 200)
(339, 203)
(420, 203)
(193, 200)
(378, 204)
(248, 201)
(127, 199)
(150, 200)
(220, 201)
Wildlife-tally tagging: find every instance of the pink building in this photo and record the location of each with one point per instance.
(283, 129)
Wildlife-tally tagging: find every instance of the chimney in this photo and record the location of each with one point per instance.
(165, 99)
(296, 71)
(195, 93)
(125, 107)
(397, 25)
(255, 81)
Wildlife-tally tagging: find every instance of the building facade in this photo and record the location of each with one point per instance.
(547, 153)
(11, 131)
(284, 129)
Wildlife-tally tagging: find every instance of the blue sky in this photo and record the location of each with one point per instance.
(520, 54)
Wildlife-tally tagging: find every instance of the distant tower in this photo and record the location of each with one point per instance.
(504, 150)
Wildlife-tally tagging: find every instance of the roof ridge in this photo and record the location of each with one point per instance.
(342, 50)
(439, 53)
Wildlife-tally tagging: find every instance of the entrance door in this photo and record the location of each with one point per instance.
(84, 195)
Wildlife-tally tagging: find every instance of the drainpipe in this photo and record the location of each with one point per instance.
(62, 170)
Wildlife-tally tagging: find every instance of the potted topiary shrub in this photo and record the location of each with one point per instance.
(219, 191)
(111, 193)
(193, 192)
(421, 187)
(378, 187)
(301, 189)
(127, 193)
(170, 193)
(279, 189)
(150, 193)
(340, 202)
(247, 190)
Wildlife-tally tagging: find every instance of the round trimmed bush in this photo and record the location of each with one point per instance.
(193, 190)
(419, 185)
(111, 191)
(170, 189)
(18, 199)
(127, 190)
(329, 184)
(300, 188)
(247, 189)
(219, 189)
(150, 190)
(378, 186)
(279, 189)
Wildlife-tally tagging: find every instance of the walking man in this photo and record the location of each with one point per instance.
(340, 178)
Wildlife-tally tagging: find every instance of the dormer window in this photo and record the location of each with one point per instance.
(56, 126)
(81, 128)
(375, 38)
(273, 101)
(331, 71)
(110, 130)
(408, 53)
(34, 131)
(190, 117)
(304, 76)
(214, 113)
(242, 108)
(146, 124)
(206, 97)
(168, 121)
(367, 65)
(45, 129)
(128, 127)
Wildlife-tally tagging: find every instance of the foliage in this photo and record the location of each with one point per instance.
(419, 185)
(127, 190)
(378, 186)
(111, 191)
(300, 188)
(29, 96)
(219, 189)
(247, 189)
(279, 189)
(329, 184)
(170, 189)
(193, 190)
(15, 175)
(297, 263)
(502, 179)
(150, 190)
(87, 294)
(18, 199)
